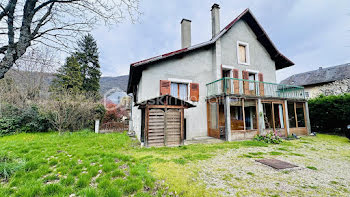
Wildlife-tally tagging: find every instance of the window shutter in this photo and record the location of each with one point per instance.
(235, 81)
(194, 92)
(164, 87)
(242, 54)
(261, 85)
(245, 75)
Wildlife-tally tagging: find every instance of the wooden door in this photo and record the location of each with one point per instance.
(156, 127)
(173, 127)
(213, 119)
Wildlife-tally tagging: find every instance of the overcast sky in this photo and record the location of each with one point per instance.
(312, 33)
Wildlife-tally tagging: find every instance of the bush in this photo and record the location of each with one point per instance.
(270, 138)
(28, 119)
(71, 112)
(330, 113)
(8, 126)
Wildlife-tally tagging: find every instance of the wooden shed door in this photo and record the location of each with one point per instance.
(173, 127)
(156, 127)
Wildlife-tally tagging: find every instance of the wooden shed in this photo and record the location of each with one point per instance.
(162, 121)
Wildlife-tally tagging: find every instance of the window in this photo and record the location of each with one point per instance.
(243, 53)
(291, 115)
(278, 112)
(268, 117)
(296, 115)
(299, 108)
(236, 113)
(250, 114)
(307, 94)
(252, 78)
(179, 90)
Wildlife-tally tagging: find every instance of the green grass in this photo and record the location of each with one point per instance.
(89, 164)
(311, 167)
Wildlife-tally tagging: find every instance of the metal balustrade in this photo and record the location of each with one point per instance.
(233, 86)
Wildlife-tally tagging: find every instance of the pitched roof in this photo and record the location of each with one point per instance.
(322, 75)
(281, 61)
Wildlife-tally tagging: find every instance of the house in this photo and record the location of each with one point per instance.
(226, 86)
(328, 81)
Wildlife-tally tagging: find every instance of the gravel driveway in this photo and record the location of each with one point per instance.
(323, 169)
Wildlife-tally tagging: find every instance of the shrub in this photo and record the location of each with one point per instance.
(34, 121)
(270, 138)
(8, 126)
(330, 113)
(70, 112)
(27, 119)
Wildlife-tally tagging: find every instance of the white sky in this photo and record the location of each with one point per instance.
(312, 33)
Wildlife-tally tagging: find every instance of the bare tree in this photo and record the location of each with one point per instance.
(54, 23)
(32, 73)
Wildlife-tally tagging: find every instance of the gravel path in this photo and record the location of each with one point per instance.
(324, 170)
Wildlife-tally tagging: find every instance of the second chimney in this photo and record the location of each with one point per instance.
(215, 19)
(185, 33)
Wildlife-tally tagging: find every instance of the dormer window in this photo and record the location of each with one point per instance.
(243, 53)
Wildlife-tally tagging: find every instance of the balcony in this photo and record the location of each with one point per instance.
(243, 87)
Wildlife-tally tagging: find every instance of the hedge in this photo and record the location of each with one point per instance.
(330, 114)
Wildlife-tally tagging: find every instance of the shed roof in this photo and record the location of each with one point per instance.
(165, 100)
(281, 61)
(319, 76)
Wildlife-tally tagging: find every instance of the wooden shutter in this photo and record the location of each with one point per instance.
(235, 81)
(164, 87)
(261, 85)
(245, 75)
(242, 54)
(194, 91)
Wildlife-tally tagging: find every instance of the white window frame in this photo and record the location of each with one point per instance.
(184, 81)
(246, 53)
(255, 72)
(230, 68)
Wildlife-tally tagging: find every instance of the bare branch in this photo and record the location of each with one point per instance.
(54, 23)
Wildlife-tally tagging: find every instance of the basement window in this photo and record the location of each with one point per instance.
(243, 53)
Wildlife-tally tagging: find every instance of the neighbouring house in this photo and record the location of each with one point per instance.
(327, 81)
(224, 88)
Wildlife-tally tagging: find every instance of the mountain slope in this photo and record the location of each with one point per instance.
(108, 83)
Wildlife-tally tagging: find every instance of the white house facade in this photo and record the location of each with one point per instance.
(230, 80)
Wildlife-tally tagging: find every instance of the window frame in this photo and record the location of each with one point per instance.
(246, 45)
(182, 81)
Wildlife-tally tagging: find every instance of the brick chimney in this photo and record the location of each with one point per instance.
(185, 33)
(215, 19)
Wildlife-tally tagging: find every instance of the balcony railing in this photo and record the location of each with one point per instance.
(233, 86)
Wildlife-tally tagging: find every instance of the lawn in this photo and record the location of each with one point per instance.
(89, 164)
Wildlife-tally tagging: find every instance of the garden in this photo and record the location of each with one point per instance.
(87, 164)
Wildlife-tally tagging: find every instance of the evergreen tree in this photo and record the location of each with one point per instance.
(87, 56)
(69, 77)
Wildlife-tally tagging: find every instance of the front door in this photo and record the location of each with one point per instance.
(213, 118)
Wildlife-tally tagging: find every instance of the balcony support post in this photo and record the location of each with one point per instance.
(261, 117)
(287, 116)
(227, 118)
(307, 117)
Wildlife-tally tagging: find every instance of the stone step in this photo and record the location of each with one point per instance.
(203, 140)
